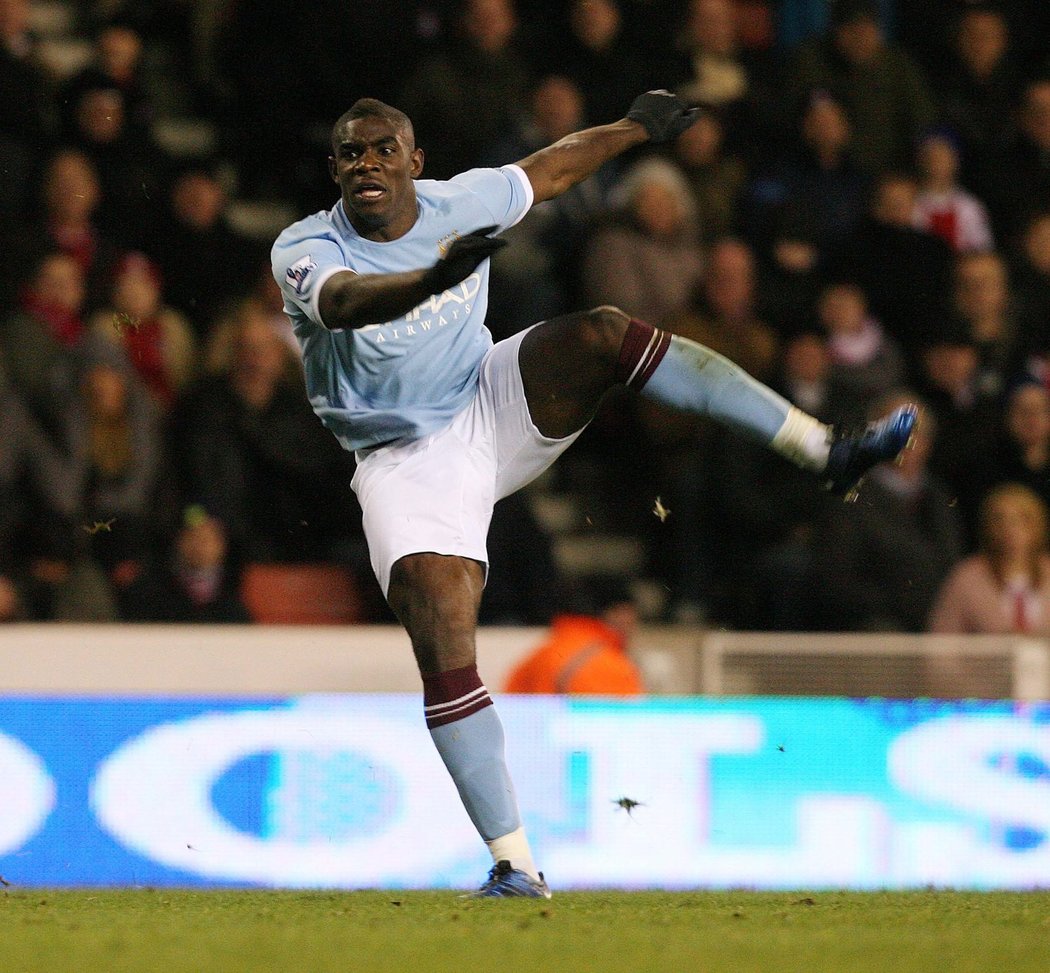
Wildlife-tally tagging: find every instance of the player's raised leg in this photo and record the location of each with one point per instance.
(436, 597)
(568, 364)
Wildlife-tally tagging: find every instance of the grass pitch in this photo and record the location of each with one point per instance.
(577, 932)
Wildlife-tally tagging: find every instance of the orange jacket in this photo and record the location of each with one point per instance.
(582, 655)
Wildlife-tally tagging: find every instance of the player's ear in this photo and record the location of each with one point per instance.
(332, 170)
(415, 163)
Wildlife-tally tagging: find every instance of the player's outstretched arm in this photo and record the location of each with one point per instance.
(656, 116)
(350, 300)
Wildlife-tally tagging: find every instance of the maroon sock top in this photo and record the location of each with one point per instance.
(453, 695)
(642, 350)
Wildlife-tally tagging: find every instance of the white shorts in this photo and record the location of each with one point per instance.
(436, 493)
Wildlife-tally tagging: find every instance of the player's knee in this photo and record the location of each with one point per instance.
(601, 331)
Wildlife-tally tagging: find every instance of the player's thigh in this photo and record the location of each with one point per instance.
(431, 495)
(502, 420)
(568, 364)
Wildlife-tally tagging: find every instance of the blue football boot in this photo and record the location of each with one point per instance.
(852, 455)
(507, 882)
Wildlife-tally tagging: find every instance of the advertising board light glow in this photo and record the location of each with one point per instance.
(347, 792)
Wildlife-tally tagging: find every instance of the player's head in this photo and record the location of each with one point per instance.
(374, 160)
(374, 108)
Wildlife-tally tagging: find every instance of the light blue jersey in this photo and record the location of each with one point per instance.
(408, 377)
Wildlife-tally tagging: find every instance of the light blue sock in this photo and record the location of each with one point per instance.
(683, 374)
(469, 736)
(697, 379)
(472, 749)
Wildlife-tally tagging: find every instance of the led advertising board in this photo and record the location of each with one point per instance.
(347, 791)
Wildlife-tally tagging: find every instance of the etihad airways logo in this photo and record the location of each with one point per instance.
(437, 311)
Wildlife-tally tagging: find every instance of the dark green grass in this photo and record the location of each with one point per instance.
(433, 932)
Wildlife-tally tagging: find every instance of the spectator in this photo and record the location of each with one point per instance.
(116, 63)
(1031, 278)
(1001, 589)
(1019, 182)
(44, 574)
(586, 652)
(883, 89)
(1022, 453)
(597, 56)
(648, 261)
(198, 582)
(470, 93)
(905, 273)
(879, 563)
(802, 20)
(712, 74)
(97, 485)
(978, 89)
(724, 312)
(982, 300)
(715, 176)
(806, 378)
(29, 121)
(157, 340)
(67, 221)
(791, 277)
(43, 341)
(204, 263)
(537, 276)
(113, 464)
(814, 192)
(716, 70)
(967, 418)
(942, 206)
(247, 447)
(645, 259)
(131, 167)
(863, 360)
(1004, 587)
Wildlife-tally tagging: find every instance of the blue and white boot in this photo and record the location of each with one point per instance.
(507, 882)
(852, 455)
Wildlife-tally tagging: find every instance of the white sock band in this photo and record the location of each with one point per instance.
(514, 847)
(803, 440)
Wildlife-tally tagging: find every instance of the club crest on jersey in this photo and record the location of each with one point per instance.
(299, 271)
(446, 241)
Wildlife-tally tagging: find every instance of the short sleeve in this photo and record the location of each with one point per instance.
(301, 267)
(506, 192)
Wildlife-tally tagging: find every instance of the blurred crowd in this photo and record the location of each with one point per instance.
(861, 216)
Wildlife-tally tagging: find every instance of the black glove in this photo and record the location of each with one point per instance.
(461, 259)
(662, 114)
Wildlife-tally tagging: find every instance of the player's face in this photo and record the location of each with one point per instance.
(374, 164)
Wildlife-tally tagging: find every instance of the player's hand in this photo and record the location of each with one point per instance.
(662, 114)
(461, 259)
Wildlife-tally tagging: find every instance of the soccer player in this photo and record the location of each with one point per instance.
(387, 293)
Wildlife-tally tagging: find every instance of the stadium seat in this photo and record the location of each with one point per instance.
(301, 594)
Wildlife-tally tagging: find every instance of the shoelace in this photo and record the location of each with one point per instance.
(500, 870)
